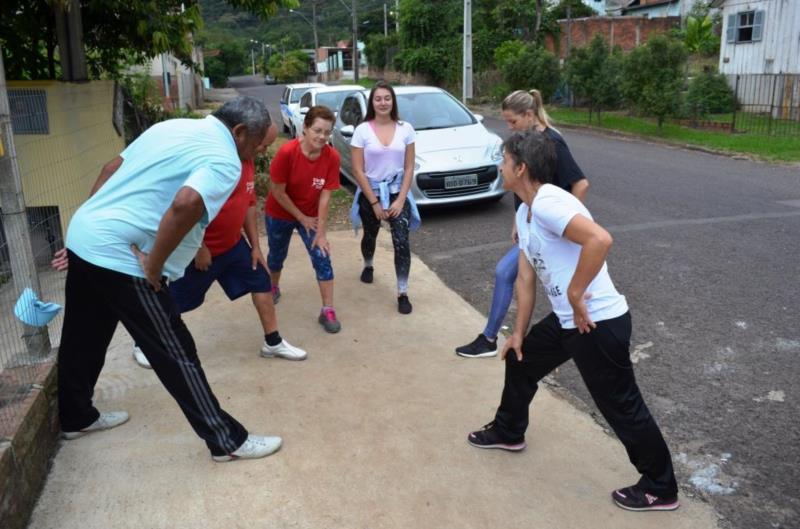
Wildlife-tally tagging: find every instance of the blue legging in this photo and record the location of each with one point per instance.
(504, 276)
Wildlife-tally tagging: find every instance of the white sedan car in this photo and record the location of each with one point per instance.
(457, 159)
(329, 96)
(290, 100)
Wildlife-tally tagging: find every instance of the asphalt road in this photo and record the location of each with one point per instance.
(706, 251)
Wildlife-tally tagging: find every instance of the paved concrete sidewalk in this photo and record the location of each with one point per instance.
(374, 425)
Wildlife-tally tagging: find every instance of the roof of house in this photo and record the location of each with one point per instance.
(644, 4)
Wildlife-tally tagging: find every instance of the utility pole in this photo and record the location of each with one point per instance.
(397, 16)
(252, 59)
(15, 222)
(385, 22)
(467, 71)
(316, 38)
(355, 43)
(69, 29)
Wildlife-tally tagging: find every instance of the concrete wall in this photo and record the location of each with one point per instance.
(59, 168)
(27, 449)
(778, 51)
(626, 32)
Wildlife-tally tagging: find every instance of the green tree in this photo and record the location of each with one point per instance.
(230, 59)
(429, 36)
(593, 73)
(380, 48)
(653, 77)
(536, 68)
(115, 32)
(508, 51)
(289, 67)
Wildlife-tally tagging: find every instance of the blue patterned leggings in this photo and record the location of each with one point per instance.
(279, 234)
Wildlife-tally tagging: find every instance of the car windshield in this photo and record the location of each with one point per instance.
(332, 100)
(432, 110)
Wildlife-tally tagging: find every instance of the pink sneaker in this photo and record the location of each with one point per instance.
(327, 318)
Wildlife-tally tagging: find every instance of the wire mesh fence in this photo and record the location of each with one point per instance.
(768, 104)
(62, 135)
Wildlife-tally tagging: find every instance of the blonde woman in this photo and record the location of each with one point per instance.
(523, 111)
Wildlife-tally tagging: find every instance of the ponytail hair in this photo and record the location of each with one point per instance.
(520, 101)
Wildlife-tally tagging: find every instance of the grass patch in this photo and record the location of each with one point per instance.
(367, 82)
(768, 147)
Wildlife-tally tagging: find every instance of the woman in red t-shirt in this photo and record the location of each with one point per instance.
(303, 175)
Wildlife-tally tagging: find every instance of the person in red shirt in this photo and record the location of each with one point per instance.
(235, 263)
(303, 175)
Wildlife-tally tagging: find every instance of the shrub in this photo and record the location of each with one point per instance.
(507, 51)
(536, 68)
(710, 93)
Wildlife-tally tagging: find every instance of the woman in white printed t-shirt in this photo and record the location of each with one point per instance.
(590, 323)
(383, 165)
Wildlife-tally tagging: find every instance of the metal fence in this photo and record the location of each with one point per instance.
(62, 134)
(768, 104)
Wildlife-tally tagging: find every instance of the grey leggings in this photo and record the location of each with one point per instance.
(399, 227)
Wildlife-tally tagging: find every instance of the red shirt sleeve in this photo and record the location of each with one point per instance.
(332, 178)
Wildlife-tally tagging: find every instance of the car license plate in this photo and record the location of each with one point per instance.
(462, 180)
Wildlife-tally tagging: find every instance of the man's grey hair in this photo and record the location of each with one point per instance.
(245, 110)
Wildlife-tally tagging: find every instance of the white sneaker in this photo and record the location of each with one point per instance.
(140, 358)
(106, 421)
(283, 350)
(254, 447)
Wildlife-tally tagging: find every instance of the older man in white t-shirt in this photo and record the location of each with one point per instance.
(141, 226)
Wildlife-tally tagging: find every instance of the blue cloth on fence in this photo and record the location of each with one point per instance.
(384, 189)
(31, 311)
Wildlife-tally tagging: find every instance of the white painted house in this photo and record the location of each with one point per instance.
(760, 36)
(760, 54)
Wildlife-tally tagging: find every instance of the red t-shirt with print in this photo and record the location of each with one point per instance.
(305, 179)
(226, 229)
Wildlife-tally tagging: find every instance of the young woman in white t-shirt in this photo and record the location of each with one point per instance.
(562, 245)
(383, 165)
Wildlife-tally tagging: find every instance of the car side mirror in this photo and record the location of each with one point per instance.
(347, 130)
(304, 110)
(479, 117)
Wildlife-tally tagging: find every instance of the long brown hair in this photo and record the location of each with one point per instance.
(394, 114)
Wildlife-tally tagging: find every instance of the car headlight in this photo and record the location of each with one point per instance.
(495, 151)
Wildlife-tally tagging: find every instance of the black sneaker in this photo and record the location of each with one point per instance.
(635, 499)
(488, 437)
(480, 347)
(366, 274)
(403, 305)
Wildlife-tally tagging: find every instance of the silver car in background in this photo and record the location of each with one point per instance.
(329, 96)
(457, 159)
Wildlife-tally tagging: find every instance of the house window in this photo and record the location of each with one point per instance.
(744, 27)
(29, 111)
